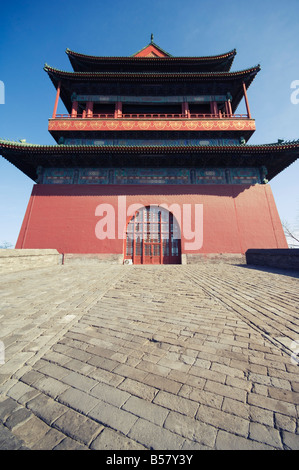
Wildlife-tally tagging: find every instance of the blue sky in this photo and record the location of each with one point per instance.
(37, 32)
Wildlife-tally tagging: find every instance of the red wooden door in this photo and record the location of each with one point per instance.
(153, 237)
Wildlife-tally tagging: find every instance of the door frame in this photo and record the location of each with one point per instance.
(137, 251)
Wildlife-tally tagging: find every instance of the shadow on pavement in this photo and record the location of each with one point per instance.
(271, 269)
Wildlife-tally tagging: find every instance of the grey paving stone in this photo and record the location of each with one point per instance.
(113, 417)
(69, 444)
(223, 420)
(143, 409)
(8, 441)
(49, 441)
(7, 407)
(46, 408)
(78, 400)
(17, 417)
(139, 389)
(228, 441)
(266, 434)
(290, 440)
(18, 390)
(155, 437)
(207, 346)
(31, 431)
(110, 394)
(176, 403)
(78, 427)
(192, 429)
(79, 381)
(50, 386)
(113, 440)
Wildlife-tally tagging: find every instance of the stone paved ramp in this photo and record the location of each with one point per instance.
(149, 357)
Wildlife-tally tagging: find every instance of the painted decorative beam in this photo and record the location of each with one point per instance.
(151, 125)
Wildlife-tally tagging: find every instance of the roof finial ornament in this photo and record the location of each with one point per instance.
(152, 38)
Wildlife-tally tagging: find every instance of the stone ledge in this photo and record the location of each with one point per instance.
(285, 258)
(18, 260)
(226, 258)
(92, 258)
(7, 253)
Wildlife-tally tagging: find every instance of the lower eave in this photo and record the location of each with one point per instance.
(28, 157)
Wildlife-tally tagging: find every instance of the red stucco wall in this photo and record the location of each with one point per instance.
(235, 217)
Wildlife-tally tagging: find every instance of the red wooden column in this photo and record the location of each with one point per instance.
(74, 109)
(229, 104)
(118, 110)
(214, 108)
(56, 100)
(246, 101)
(226, 109)
(185, 109)
(89, 109)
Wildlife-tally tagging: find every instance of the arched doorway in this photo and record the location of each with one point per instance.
(153, 237)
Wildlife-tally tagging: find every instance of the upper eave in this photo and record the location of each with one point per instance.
(28, 157)
(83, 62)
(212, 80)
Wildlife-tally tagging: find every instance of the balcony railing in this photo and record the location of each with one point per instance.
(153, 116)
